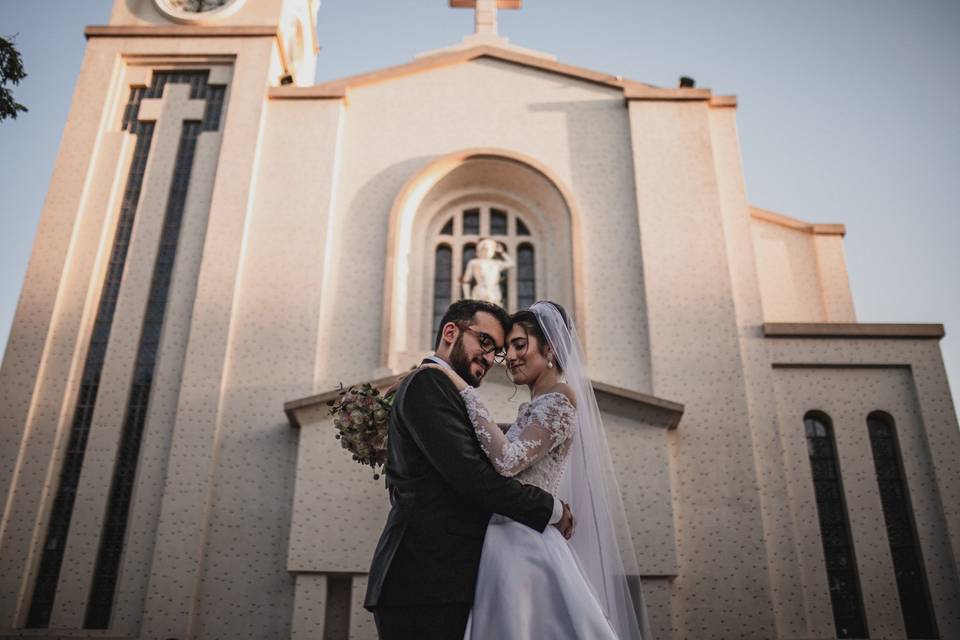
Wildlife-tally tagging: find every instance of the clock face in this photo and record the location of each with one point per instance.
(195, 6)
(194, 10)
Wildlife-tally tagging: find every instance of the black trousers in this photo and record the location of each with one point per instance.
(427, 622)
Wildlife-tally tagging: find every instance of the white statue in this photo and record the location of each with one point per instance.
(484, 272)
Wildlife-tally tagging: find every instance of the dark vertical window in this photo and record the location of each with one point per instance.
(522, 228)
(447, 229)
(901, 530)
(834, 529)
(111, 541)
(498, 222)
(526, 276)
(48, 573)
(469, 253)
(442, 280)
(505, 288)
(471, 222)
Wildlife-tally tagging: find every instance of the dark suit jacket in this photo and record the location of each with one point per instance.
(443, 491)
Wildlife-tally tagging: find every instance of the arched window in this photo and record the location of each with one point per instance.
(456, 244)
(442, 290)
(834, 528)
(458, 201)
(469, 252)
(901, 530)
(471, 222)
(498, 222)
(526, 276)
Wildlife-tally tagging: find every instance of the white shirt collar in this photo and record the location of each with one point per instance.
(440, 361)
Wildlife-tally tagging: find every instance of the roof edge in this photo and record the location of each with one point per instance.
(799, 225)
(633, 90)
(316, 92)
(181, 31)
(319, 401)
(637, 91)
(888, 330)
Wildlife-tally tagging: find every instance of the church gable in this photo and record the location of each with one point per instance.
(443, 60)
(482, 87)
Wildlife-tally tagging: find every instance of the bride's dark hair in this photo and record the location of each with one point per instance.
(531, 326)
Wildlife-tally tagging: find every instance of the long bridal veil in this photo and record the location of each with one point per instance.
(601, 542)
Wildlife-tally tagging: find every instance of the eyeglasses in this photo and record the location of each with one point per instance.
(487, 343)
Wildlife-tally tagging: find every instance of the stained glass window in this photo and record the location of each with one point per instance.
(471, 222)
(498, 222)
(901, 530)
(455, 244)
(834, 529)
(526, 276)
(442, 268)
(469, 253)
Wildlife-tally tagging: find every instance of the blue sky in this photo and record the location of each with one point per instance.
(848, 112)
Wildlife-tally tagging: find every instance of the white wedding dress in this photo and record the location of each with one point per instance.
(530, 585)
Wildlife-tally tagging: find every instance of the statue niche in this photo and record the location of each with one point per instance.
(483, 274)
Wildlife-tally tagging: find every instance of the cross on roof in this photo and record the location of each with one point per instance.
(485, 18)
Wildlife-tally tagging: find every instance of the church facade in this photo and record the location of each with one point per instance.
(224, 242)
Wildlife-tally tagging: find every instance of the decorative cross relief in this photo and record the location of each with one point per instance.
(485, 16)
(176, 118)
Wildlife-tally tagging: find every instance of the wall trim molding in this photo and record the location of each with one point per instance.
(853, 330)
(184, 31)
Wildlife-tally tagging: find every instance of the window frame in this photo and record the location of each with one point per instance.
(459, 241)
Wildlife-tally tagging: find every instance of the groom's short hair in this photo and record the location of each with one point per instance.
(465, 310)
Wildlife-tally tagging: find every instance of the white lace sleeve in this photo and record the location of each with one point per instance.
(549, 425)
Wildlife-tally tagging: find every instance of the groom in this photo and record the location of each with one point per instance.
(443, 489)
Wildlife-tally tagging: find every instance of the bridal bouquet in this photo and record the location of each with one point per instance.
(361, 414)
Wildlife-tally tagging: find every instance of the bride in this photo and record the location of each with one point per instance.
(533, 585)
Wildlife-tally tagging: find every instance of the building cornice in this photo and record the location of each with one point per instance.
(631, 89)
(724, 101)
(296, 410)
(470, 4)
(673, 409)
(320, 400)
(182, 31)
(799, 225)
(853, 330)
(337, 89)
(636, 91)
(316, 92)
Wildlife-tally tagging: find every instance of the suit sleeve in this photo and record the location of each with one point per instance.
(434, 416)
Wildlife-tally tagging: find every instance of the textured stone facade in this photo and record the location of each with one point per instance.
(305, 259)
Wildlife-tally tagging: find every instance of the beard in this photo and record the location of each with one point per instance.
(461, 362)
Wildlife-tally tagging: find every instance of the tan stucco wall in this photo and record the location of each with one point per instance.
(905, 379)
(803, 274)
(392, 130)
(696, 360)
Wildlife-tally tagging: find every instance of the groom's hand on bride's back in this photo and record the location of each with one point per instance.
(566, 524)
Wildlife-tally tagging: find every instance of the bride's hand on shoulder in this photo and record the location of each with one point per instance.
(458, 382)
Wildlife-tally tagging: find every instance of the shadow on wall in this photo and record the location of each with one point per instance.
(602, 177)
(353, 314)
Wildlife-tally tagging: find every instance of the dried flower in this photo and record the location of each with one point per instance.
(361, 418)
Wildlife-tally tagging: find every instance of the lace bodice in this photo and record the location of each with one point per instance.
(534, 448)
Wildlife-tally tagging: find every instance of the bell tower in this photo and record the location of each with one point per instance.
(292, 22)
(119, 340)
